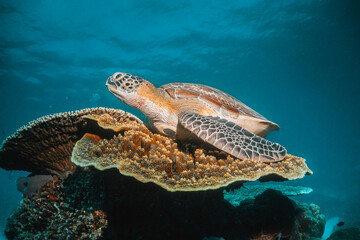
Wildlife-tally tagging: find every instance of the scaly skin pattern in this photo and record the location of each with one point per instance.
(231, 138)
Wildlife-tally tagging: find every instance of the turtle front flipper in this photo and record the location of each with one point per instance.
(231, 138)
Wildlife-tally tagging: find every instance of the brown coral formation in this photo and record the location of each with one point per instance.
(154, 158)
(45, 144)
(309, 224)
(92, 204)
(50, 216)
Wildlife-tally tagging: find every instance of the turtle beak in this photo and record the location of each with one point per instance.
(111, 85)
(110, 81)
(113, 88)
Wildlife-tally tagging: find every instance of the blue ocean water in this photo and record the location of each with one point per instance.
(295, 62)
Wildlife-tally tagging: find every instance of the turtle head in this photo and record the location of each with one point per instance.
(143, 95)
(123, 83)
(126, 87)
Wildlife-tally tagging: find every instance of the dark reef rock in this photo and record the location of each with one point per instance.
(92, 204)
(84, 189)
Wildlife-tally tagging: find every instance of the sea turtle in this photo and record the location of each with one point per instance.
(209, 114)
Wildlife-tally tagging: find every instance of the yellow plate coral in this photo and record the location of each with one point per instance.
(149, 157)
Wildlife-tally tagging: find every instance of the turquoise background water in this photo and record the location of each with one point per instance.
(295, 62)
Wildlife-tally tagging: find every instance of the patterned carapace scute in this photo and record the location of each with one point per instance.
(211, 96)
(45, 144)
(149, 157)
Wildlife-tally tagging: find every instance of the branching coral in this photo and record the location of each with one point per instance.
(45, 144)
(149, 157)
(49, 216)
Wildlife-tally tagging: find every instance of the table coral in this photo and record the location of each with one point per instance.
(45, 144)
(149, 157)
(246, 192)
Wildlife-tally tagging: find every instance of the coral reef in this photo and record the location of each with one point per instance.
(298, 221)
(93, 204)
(246, 192)
(131, 205)
(50, 216)
(85, 189)
(271, 214)
(154, 158)
(44, 145)
(106, 121)
(160, 183)
(310, 223)
(114, 138)
(347, 233)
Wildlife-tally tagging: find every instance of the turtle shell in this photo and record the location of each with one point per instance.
(217, 99)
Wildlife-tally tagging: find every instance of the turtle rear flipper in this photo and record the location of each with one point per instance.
(231, 138)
